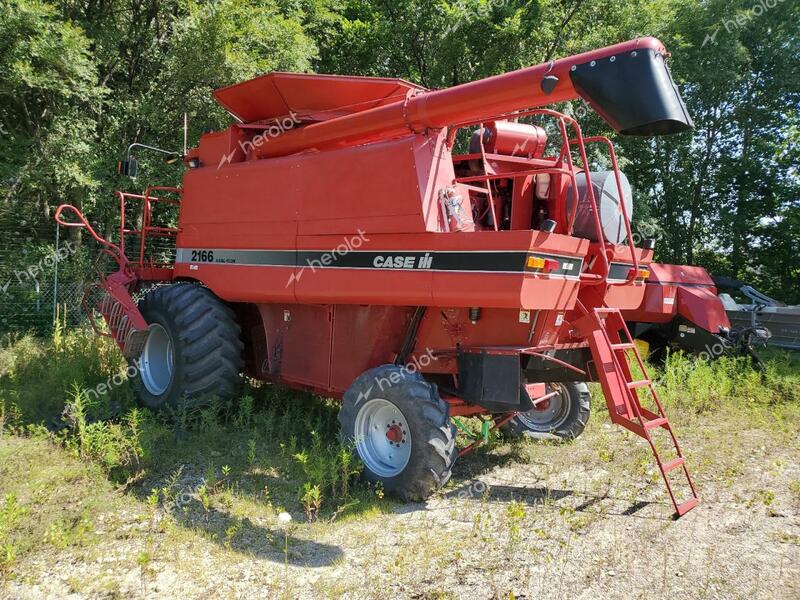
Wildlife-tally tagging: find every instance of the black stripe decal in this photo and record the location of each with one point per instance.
(619, 271)
(398, 260)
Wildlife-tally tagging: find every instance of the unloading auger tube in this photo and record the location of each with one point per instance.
(628, 84)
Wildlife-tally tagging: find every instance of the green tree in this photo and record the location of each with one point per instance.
(49, 104)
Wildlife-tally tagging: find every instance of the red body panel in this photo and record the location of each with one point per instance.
(683, 290)
(325, 347)
(618, 295)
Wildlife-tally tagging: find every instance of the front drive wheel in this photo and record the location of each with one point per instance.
(193, 354)
(562, 417)
(401, 430)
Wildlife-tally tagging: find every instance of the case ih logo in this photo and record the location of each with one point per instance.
(403, 262)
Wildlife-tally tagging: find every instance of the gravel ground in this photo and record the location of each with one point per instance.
(526, 521)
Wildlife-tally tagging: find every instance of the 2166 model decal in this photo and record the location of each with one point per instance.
(202, 256)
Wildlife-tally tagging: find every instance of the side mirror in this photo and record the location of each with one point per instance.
(129, 167)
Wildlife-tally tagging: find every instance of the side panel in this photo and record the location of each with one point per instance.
(298, 343)
(658, 306)
(702, 307)
(377, 188)
(432, 269)
(626, 297)
(680, 290)
(365, 337)
(325, 347)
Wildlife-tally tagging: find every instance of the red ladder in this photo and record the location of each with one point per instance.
(610, 341)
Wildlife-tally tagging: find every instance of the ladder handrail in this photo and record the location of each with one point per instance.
(147, 204)
(634, 272)
(565, 154)
(84, 224)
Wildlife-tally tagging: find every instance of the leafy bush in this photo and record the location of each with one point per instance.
(40, 376)
(704, 385)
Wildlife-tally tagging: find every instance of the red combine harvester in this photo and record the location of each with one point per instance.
(332, 241)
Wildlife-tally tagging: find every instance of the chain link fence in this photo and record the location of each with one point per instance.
(33, 308)
(42, 276)
(45, 269)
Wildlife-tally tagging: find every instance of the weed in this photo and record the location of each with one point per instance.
(311, 497)
(231, 532)
(515, 515)
(244, 416)
(328, 468)
(604, 450)
(205, 501)
(63, 534)
(794, 488)
(11, 513)
(251, 451)
(115, 446)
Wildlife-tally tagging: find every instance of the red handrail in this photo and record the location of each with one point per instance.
(634, 273)
(83, 223)
(565, 154)
(147, 229)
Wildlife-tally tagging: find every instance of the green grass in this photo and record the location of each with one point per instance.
(51, 500)
(215, 469)
(224, 473)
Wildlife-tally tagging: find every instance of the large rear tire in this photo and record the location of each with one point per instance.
(562, 417)
(401, 430)
(193, 354)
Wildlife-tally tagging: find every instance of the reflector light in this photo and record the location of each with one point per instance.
(642, 273)
(536, 262)
(543, 264)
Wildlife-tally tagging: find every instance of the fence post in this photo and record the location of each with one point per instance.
(55, 275)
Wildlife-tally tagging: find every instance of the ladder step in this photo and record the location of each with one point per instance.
(673, 464)
(609, 340)
(656, 423)
(624, 346)
(685, 507)
(638, 384)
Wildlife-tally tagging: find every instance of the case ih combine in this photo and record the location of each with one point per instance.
(331, 240)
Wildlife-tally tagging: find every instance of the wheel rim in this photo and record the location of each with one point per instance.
(157, 364)
(383, 438)
(552, 413)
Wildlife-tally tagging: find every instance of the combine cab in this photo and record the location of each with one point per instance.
(334, 240)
